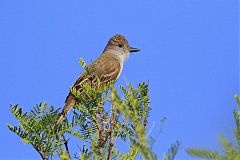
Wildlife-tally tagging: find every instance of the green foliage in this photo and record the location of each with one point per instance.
(37, 128)
(100, 119)
(231, 150)
(123, 119)
(135, 110)
(172, 152)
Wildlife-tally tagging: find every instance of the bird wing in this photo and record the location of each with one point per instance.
(106, 69)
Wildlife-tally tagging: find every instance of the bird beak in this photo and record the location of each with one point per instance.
(131, 49)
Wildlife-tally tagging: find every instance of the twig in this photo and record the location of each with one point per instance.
(101, 134)
(112, 125)
(42, 154)
(102, 130)
(66, 145)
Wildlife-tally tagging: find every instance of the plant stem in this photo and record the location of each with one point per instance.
(102, 130)
(42, 154)
(112, 125)
(66, 145)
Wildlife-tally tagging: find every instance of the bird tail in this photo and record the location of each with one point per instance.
(69, 103)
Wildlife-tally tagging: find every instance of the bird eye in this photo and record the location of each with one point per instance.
(120, 45)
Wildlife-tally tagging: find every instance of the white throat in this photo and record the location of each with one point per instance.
(122, 57)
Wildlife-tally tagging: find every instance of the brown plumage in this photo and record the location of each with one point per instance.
(106, 68)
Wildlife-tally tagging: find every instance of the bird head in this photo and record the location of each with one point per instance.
(120, 47)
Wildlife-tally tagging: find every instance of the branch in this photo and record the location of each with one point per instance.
(102, 129)
(112, 125)
(42, 154)
(66, 145)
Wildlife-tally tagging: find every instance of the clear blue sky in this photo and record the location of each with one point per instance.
(189, 54)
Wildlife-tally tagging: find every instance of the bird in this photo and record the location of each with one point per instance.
(106, 68)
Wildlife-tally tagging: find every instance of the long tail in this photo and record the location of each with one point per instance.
(69, 103)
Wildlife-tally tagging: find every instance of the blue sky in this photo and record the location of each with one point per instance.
(189, 54)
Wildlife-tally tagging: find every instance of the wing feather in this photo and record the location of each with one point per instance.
(105, 70)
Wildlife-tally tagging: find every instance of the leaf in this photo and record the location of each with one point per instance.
(170, 155)
(83, 64)
(205, 153)
(26, 141)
